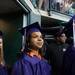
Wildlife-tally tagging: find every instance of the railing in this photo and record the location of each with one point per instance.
(62, 6)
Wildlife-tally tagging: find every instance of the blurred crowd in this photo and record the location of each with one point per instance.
(63, 6)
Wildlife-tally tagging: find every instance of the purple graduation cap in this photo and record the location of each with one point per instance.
(34, 27)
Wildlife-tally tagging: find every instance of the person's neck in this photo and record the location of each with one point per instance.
(34, 53)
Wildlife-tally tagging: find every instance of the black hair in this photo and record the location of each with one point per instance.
(59, 32)
(1, 34)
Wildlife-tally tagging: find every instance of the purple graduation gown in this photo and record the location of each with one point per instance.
(69, 61)
(31, 66)
(3, 70)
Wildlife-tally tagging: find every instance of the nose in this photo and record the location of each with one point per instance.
(40, 39)
(65, 37)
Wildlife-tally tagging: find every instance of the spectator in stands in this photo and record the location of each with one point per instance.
(58, 4)
(35, 3)
(68, 7)
(71, 10)
(43, 4)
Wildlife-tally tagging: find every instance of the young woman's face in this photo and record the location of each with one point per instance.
(36, 41)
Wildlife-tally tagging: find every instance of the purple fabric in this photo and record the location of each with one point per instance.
(69, 62)
(34, 60)
(31, 66)
(3, 70)
(30, 31)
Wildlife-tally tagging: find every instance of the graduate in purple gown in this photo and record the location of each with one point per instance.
(69, 56)
(3, 70)
(32, 61)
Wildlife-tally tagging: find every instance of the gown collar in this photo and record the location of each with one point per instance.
(33, 60)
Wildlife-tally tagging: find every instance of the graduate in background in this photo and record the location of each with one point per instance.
(32, 61)
(55, 52)
(3, 70)
(69, 56)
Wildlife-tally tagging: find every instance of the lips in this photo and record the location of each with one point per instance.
(40, 43)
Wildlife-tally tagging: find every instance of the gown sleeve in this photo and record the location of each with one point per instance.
(3, 70)
(16, 69)
(22, 68)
